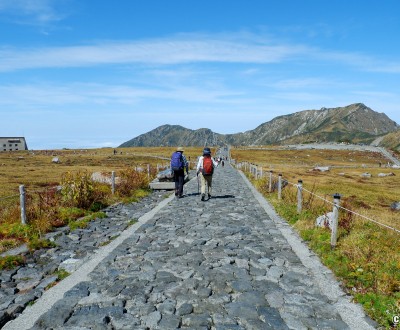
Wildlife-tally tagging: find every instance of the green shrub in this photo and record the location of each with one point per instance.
(77, 189)
(36, 244)
(71, 213)
(10, 262)
(83, 222)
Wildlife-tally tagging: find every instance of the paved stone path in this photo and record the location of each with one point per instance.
(226, 263)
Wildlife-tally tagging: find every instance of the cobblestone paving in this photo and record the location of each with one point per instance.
(23, 285)
(218, 264)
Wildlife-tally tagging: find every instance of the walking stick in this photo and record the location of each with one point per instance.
(198, 187)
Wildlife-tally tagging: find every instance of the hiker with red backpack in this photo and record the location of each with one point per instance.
(205, 170)
(178, 164)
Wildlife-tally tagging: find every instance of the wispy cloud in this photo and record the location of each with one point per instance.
(34, 96)
(184, 49)
(301, 83)
(165, 51)
(37, 12)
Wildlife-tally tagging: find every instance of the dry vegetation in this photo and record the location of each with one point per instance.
(367, 256)
(36, 170)
(62, 193)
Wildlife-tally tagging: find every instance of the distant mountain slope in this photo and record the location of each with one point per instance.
(354, 123)
(175, 135)
(391, 141)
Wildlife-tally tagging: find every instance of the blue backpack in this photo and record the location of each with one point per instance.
(177, 161)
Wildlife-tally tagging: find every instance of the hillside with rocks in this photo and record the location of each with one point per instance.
(355, 123)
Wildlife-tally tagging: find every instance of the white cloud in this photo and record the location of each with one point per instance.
(165, 52)
(37, 12)
(183, 49)
(303, 83)
(47, 95)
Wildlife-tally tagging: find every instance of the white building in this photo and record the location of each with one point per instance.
(12, 144)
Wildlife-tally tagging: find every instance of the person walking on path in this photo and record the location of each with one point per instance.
(205, 169)
(178, 165)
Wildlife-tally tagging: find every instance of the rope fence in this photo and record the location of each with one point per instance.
(8, 204)
(277, 183)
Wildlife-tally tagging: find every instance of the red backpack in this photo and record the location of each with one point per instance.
(208, 166)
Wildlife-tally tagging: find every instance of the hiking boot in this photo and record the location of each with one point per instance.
(202, 197)
(209, 196)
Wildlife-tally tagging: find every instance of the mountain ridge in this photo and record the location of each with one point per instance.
(355, 123)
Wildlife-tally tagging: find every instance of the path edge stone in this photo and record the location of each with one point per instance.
(351, 313)
(31, 314)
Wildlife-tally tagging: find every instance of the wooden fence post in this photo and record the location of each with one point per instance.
(270, 181)
(22, 203)
(261, 172)
(280, 186)
(299, 195)
(148, 171)
(113, 182)
(336, 202)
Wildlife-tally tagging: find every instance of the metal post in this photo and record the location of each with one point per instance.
(113, 182)
(270, 181)
(22, 203)
(336, 202)
(279, 186)
(261, 172)
(299, 195)
(148, 171)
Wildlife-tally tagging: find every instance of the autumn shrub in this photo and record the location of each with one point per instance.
(130, 181)
(77, 189)
(42, 208)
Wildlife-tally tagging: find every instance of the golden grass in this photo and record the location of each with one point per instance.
(35, 169)
(40, 176)
(371, 196)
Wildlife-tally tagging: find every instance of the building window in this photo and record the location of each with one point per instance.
(16, 145)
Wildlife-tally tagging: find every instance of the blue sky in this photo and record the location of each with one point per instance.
(86, 73)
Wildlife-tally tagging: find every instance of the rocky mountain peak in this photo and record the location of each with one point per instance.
(353, 123)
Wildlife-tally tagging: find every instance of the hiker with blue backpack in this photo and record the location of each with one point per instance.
(178, 165)
(205, 170)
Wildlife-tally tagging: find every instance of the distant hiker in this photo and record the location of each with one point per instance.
(178, 164)
(222, 163)
(205, 170)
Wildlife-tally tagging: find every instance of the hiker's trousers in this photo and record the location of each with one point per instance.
(205, 180)
(179, 178)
